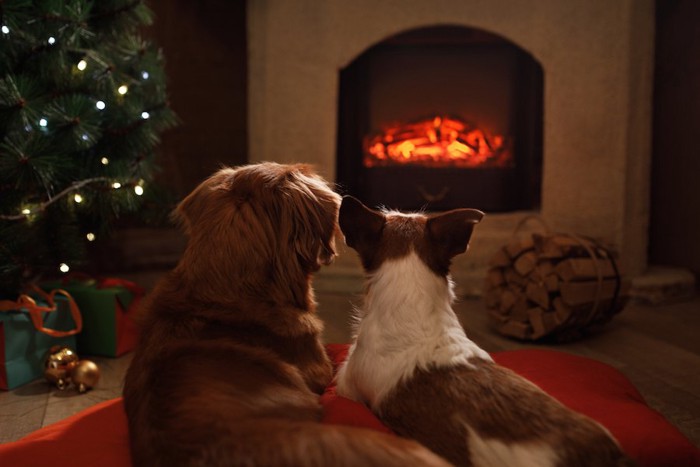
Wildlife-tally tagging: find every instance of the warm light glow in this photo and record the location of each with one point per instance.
(63, 267)
(116, 185)
(90, 236)
(104, 161)
(436, 142)
(138, 190)
(26, 211)
(123, 89)
(100, 105)
(82, 64)
(77, 198)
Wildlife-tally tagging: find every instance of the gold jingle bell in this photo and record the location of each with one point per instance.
(85, 375)
(58, 365)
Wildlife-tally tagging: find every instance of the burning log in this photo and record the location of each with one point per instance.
(557, 286)
(436, 142)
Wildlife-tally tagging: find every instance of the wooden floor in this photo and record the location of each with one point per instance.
(658, 348)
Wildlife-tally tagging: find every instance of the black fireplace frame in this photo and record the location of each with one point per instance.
(439, 189)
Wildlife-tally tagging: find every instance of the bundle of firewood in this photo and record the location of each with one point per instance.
(558, 286)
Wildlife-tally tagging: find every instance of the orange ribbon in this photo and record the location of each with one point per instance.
(36, 311)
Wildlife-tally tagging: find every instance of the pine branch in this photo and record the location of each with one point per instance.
(73, 187)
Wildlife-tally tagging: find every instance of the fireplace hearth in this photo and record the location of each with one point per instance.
(439, 118)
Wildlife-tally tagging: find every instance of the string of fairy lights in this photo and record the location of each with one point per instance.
(28, 211)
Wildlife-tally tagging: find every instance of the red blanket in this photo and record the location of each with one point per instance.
(98, 435)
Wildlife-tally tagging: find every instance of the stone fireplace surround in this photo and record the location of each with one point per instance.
(597, 57)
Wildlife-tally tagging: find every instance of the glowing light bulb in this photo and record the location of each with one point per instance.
(52, 40)
(145, 115)
(6, 30)
(85, 137)
(77, 198)
(116, 185)
(138, 189)
(63, 267)
(123, 89)
(43, 122)
(104, 161)
(100, 105)
(26, 211)
(144, 74)
(90, 236)
(82, 64)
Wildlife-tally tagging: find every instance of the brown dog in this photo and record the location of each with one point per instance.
(230, 364)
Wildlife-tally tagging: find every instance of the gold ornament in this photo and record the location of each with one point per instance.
(58, 364)
(61, 366)
(85, 375)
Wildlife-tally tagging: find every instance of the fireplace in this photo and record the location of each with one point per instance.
(439, 118)
(590, 171)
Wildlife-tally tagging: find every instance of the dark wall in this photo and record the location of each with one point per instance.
(675, 184)
(204, 43)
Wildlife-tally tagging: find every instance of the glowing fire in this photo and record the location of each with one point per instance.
(437, 142)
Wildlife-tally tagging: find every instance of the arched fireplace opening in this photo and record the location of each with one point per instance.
(439, 118)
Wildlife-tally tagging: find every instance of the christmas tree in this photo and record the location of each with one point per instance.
(82, 105)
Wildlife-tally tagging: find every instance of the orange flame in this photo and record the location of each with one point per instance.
(436, 142)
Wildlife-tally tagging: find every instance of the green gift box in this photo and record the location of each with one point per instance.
(23, 346)
(107, 306)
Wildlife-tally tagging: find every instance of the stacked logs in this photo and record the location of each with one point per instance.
(558, 286)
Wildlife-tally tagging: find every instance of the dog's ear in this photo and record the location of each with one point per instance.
(449, 233)
(196, 205)
(186, 211)
(361, 226)
(316, 215)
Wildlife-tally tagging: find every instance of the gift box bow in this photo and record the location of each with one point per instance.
(36, 311)
(112, 282)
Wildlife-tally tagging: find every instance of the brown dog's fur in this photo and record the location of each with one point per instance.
(230, 362)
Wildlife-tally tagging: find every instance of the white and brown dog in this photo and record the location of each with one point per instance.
(230, 363)
(413, 365)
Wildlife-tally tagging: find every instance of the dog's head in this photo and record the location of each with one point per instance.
(259, 226)
(379, 236)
